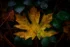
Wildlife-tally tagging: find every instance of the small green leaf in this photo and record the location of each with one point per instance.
(55, 23)
(19, 9)
(45, 41)
(29, 41)
(62, 15)
(17, 41)
(53, 39)
(20, 41)
(11, 3)
(38, 3)
(27, 2)
(43, 5)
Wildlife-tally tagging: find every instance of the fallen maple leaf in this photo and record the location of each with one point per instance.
(34, 29)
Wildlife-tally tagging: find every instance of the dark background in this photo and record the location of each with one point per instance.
(55, 5)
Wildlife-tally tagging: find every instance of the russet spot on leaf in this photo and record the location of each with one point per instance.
(34, 29)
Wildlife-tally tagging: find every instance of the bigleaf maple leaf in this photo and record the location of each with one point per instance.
(34, 29)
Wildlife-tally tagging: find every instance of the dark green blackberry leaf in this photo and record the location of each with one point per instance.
(38, 3)
(53, 39)
(27, 2)
(19, 9)
(56, 23)
(29, 41)
(43, 5)
(20, 41)
(45, 41)
(11, 3)
(62, 15)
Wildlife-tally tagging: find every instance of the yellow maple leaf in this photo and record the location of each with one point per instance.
(34, 29)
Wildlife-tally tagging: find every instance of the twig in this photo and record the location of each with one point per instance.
(8, 26)
(4, 21)
(11, 45)
(36, 42)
